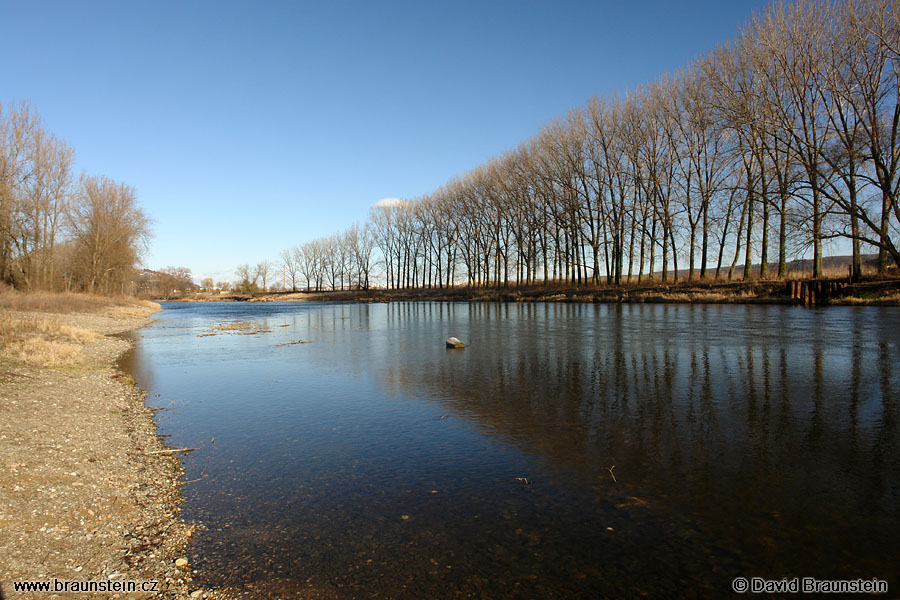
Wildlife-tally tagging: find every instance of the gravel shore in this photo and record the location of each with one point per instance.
(87, 489)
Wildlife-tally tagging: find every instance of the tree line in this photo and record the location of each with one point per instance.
(762, 150)
(58, 231)
(345, 260)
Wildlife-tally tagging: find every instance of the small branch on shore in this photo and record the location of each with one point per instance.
(171, 451)
(613, 474)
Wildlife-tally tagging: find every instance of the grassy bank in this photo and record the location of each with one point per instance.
(65, 303)
(875, 291)
(36, 329)
(88, 491)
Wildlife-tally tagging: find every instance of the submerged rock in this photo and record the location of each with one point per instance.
(453, 342)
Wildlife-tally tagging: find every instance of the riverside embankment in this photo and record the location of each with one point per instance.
(873, 291)
(88, 491)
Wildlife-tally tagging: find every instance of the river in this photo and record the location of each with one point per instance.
(569, 451)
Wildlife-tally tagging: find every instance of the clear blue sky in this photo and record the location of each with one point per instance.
(249, 127)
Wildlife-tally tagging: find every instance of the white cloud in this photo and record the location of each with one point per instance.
(386, 202)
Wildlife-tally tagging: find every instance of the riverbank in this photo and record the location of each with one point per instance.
(872, 291)
(88, 491)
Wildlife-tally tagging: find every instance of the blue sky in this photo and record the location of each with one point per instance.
(249, 127)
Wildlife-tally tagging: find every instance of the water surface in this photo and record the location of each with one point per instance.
(667, 448)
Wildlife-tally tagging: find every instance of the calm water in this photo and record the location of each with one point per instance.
(669, 448)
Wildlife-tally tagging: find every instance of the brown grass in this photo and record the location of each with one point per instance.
(41, 341)
(888, 299)
(54, 302)
(830, 272)
(44, 340)
(38, 352)
(234, 327)
(14, 326)
(138, 309)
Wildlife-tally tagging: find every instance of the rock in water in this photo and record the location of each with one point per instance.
(453, 342)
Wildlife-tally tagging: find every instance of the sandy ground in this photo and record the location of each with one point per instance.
(87, 490)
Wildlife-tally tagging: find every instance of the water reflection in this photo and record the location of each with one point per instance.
(745, 440)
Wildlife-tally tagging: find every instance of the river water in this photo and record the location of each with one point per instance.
(569, 451)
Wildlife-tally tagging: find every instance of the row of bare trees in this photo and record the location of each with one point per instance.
(761, 151)
(59, 231)
(344, 260)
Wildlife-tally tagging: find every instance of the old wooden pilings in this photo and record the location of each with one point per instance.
(814, 292)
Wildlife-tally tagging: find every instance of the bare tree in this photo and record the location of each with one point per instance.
(55, 234)
(47, 195)
(16, 130)
(311, 264)
(360, 244)
(175, 281)
(290, 263)
(110, 231)
(263, 271)
(246, 277)
(862, 83)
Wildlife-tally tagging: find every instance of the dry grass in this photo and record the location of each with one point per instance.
(54, 302)
(138, 309)
(670, 297)
(41, 341)
(234, 327)
(700, 296)
(888, 298)
(38, 352)
(709, 297)
(31, 336)
(830, 272)
(14, 326)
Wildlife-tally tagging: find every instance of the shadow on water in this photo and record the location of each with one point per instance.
(667, 449)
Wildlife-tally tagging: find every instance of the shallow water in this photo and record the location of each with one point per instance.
(668, 448)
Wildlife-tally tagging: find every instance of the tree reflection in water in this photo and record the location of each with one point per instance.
(745, 440)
